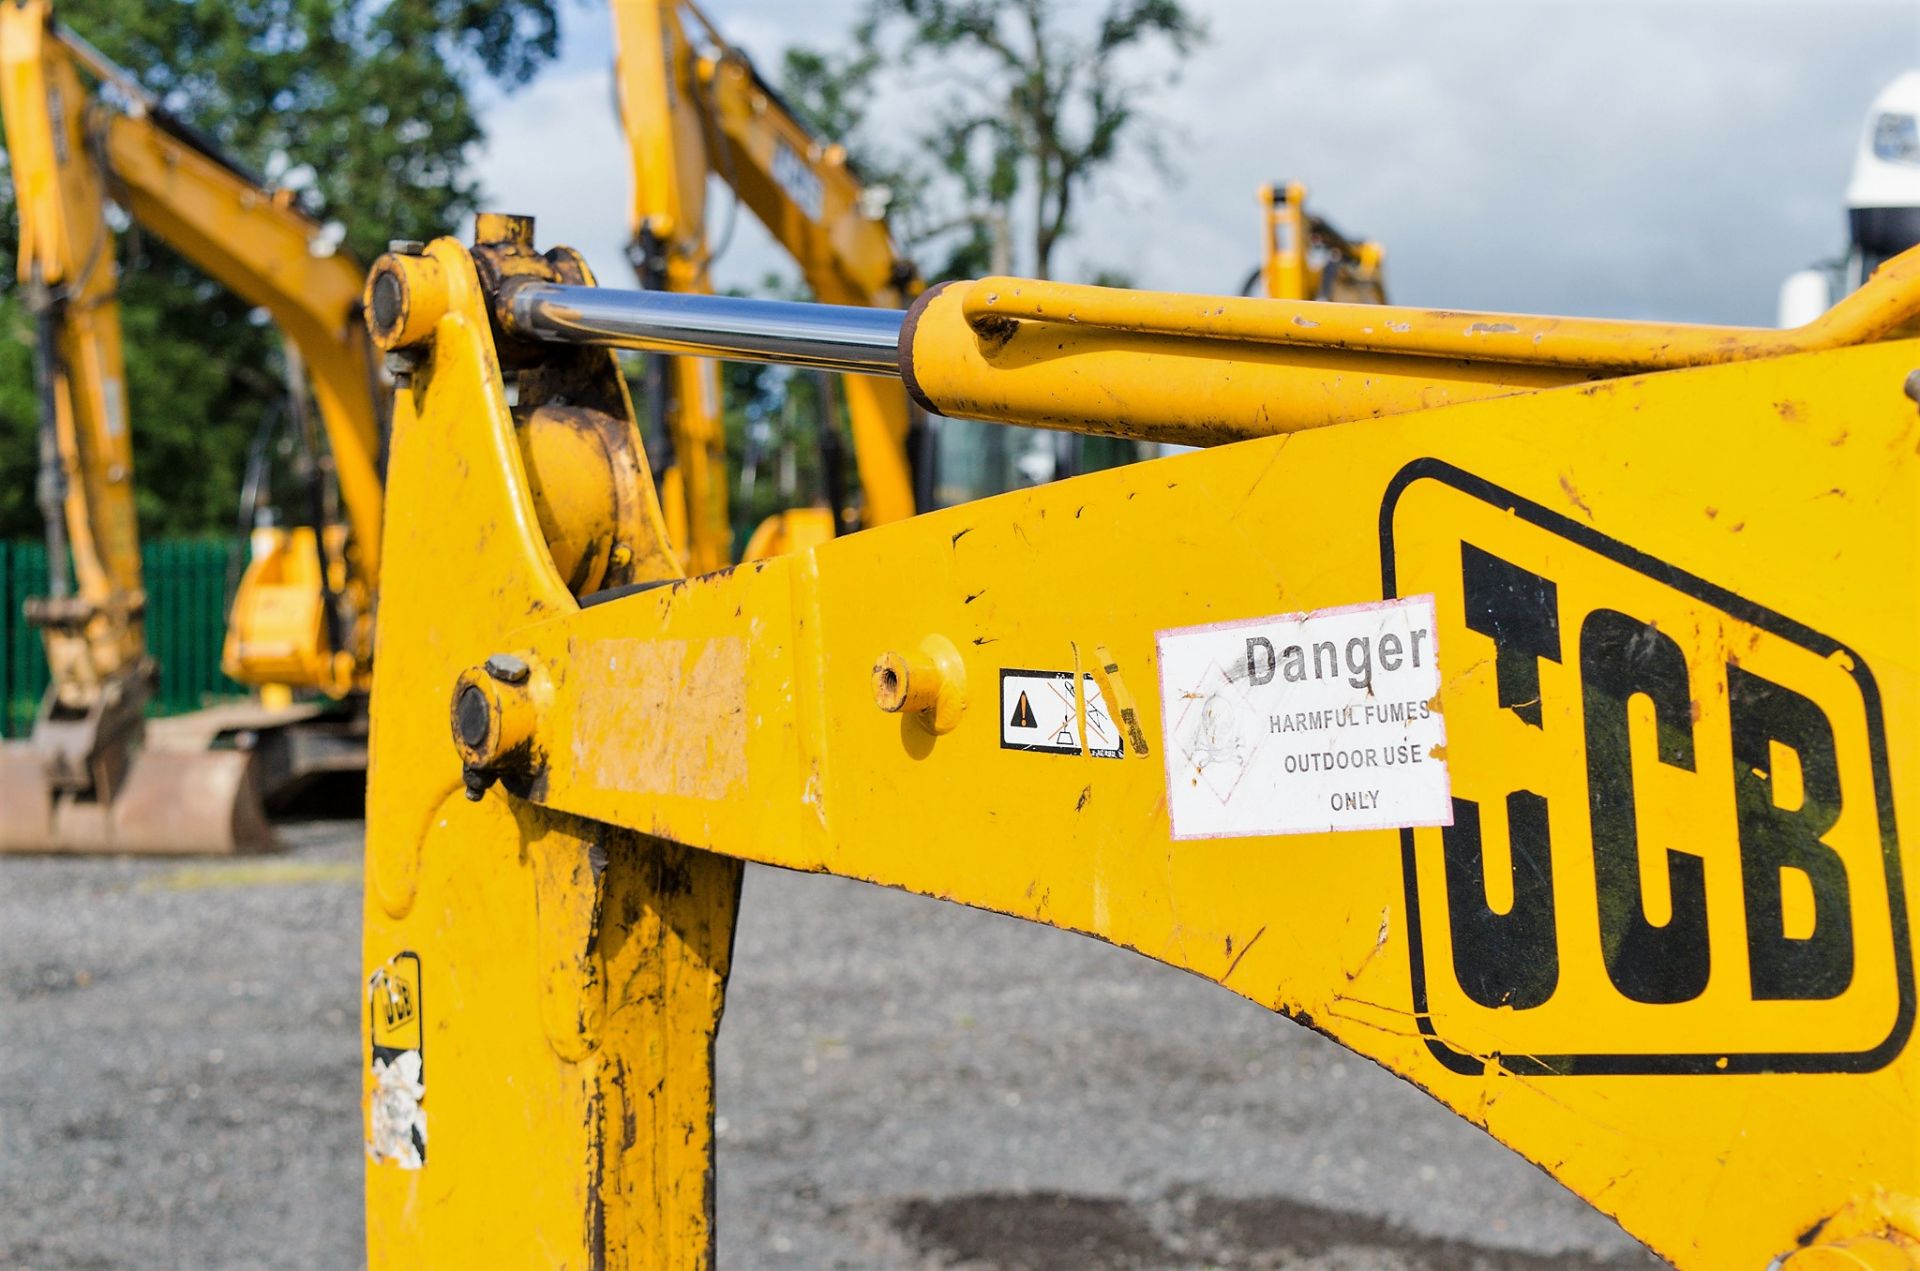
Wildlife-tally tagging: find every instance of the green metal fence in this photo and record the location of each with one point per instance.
(186, 583)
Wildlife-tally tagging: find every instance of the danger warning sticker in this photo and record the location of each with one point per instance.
(1038, 711)
(1308, 722)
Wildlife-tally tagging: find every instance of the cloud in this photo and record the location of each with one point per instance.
(1584, 156)
(554, 151)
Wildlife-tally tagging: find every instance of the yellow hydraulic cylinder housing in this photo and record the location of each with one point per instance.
(1529, 705)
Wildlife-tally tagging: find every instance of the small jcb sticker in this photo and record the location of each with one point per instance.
(396, 1126)
(1038, 711)
(1305, 722)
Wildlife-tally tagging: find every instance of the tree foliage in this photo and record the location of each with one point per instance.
(360, 106)
(1043, 96)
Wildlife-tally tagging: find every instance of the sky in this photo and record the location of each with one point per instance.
(1667, 159)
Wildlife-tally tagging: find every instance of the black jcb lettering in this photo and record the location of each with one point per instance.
(1512, 958)
(1717, 772)
(1774, 839)
(1622, 657)
(1520, 612)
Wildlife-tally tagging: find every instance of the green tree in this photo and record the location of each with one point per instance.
(1047, 98)
(1045, 102)
(360, 107)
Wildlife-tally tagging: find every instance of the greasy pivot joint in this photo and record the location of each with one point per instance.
(493, 717)
(405, 295)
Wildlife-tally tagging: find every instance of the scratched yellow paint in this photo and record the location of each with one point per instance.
(1746, 533)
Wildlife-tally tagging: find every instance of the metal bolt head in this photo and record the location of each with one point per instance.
(507, 668)
(1912, 387)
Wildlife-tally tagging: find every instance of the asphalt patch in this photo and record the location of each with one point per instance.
(1053, 1231)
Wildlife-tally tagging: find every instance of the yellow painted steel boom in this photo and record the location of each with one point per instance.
(68, 272)
(302, 616)
(257, 243)
(692, 105)
(1527, 704)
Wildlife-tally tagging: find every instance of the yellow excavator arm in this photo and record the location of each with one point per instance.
(1304, 257)
(1524, 703)
(693, 105)
(250, 238)
(255, 241)
(81, 131)
(68, 274)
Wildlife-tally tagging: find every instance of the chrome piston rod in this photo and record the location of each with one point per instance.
(828, 337)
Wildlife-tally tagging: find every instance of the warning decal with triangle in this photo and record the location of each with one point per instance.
(1039, 711)
(1023, 715)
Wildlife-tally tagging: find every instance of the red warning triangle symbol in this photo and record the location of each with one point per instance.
(1023, 714)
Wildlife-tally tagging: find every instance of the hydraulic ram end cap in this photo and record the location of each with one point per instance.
(404, 297)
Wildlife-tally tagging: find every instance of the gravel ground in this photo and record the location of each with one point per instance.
(903, 1083)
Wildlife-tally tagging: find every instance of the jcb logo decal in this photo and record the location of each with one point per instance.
(393, 1003)
(1673, 846)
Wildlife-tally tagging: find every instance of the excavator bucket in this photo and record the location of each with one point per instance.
(170, 803)
(26, 801)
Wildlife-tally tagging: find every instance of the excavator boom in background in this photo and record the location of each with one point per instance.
(1304, 257)
(692, 105)
(93, 775)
